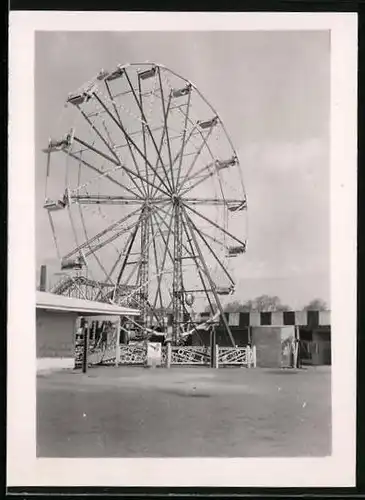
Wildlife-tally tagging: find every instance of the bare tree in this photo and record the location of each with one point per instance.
(263, 303)
(316, 305)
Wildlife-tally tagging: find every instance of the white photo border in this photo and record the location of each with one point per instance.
(23, 468)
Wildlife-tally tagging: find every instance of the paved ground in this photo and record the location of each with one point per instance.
(134, 412)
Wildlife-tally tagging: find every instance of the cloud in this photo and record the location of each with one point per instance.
(287, 186)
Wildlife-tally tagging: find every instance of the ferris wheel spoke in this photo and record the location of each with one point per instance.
(143, 134)
(117, 261)
(194, 131)
(196, 175)
(99, 134)
(115, 181)
(140, 220)
(129, 139)
(131, 243)
(160, 209)
(199, 132)
(128, 143)
(192, 165)
(200, 233)
(166, 251)
(147, 126)
(156, 315)
(97, 237)
(175, 262)
(158, 293)
(97, 151)
(108, 158)
(103, 199)
(212, 284)
(215, 201)
(122, 231)
(200, 273)
(165, 112)
(112, 238)
(138, 263)
(112, 148)
(154, 235)
(164, 132)
(216, 225)
(184, 142)
(199, 181)
(178, 154)
(91, 250)
(215, 240)
(190, 252)
(80, 160)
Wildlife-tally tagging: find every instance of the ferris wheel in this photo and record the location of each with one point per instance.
(145, 196)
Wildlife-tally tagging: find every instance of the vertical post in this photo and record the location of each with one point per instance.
(85, 346)
(145, 228)
(296, 352)
(212, 346)
(145, 350)
(76, 328)
(78, 346)
(254, 356)
(216, 357)
(177, 276)
(92, 332)
(168, 354)
(43, 279)
(117, 346)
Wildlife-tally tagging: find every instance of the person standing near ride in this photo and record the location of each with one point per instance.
(106, 332)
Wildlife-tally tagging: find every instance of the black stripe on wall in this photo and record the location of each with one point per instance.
(265, 318)
(289, 318)
(312, 318)
(245, 319)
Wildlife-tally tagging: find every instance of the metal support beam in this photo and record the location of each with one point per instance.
(212, 284)
(177, 275)
(144, 265)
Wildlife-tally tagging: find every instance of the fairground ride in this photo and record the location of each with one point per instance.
(145, 198)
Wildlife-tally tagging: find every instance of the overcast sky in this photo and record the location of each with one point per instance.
(272, 91)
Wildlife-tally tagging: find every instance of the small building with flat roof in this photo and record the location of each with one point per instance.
(57, 317)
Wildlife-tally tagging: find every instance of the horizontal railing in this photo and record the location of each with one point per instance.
(136, 354)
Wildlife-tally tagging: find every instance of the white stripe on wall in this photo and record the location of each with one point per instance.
(301, 318)
(255, 319)
(277, 318)
(324, 318)
(234, 319)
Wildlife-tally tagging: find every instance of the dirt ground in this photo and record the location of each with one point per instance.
(182, 412)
